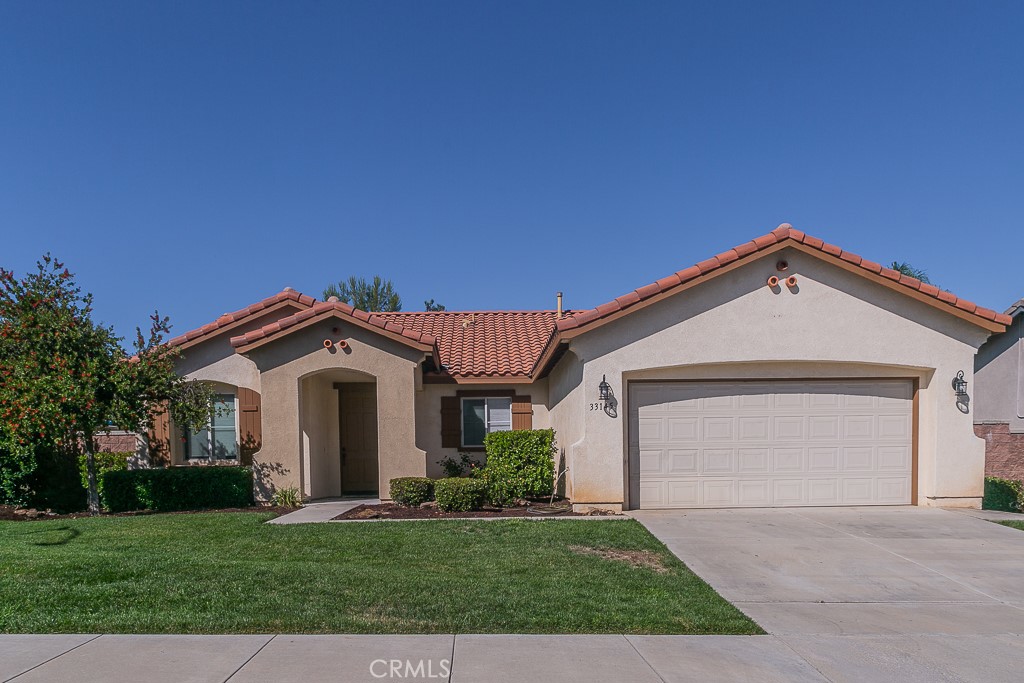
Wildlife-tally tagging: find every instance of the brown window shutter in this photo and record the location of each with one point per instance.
(522, 412)
(250, 423)
(159, 437)
(451, 422)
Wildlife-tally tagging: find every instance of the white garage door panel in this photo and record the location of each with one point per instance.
(758, 444)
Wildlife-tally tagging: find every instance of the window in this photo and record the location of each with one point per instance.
(220, 438)
(481, 416)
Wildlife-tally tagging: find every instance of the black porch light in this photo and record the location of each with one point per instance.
(960, 385)
(604, 390)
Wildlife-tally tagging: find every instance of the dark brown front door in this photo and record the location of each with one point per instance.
(357, 407)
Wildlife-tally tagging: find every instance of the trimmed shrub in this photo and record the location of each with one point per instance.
(106, 461)
(411, 491)
(460, 494)
(178, 488)
(520, 464)
(1003, 494)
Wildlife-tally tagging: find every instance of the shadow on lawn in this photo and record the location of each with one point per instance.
(61, 535)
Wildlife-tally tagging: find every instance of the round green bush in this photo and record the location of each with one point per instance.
(460, 494)
(411, 491)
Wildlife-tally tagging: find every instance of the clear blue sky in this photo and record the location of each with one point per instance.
(197, 156)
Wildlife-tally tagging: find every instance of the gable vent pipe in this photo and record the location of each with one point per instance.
(559, 297)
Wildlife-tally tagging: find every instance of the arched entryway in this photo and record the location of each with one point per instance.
(338, 417)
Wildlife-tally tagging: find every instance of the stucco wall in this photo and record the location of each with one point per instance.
(999, 379)
(428, 416)
(834, 324)
(285, 456)
(215, 360)
(566, 395)
(320, 433)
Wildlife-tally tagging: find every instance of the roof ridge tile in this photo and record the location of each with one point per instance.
(785, 231)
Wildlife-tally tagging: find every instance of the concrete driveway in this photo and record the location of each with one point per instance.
(931, 594)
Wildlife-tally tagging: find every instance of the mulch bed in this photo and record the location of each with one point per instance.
(392, 511)
(11, 514)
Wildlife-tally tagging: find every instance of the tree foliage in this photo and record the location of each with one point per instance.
(378, 295)
(64, 377)
(910, 271)
(431, 306)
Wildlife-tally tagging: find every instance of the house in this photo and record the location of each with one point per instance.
(999, 389)
(783, 372)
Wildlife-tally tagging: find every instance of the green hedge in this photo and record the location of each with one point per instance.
(520, 464)
(411, 491)
(106, 461)
(178, 488)
(1003, 494)
(460, 494)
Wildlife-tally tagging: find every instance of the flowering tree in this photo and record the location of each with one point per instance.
(63, 377)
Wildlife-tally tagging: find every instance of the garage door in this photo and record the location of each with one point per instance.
(772, 443)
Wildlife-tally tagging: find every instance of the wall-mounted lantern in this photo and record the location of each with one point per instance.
(604, 390)
(960, 386)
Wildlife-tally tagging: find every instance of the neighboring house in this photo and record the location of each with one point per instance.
(999, 409)
(715, 386)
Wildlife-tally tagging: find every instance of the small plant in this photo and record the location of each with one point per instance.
(286, 498)
(411, 491)
(460, 494)
(462, 467)
(520, 464)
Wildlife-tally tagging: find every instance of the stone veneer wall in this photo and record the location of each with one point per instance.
(117, 442)
(1004, 451)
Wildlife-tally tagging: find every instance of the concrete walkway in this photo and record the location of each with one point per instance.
(322, 511)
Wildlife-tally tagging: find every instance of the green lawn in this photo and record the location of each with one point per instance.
(230, 573)
(1013, 523)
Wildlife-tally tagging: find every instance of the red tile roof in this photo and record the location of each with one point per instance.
(288, 295)
(782, 234)
(326, 309)
(513, 344)
(484, 343)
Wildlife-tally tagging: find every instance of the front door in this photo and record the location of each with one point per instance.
(357, 404)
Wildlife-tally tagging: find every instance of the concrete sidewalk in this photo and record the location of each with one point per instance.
(322, 511)
(507, 658)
